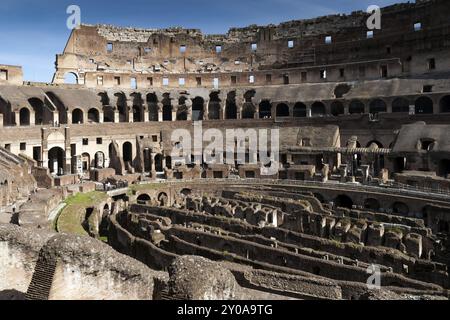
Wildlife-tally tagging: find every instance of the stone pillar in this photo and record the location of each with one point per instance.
(116, 116)
(85, 117)
(308, 111)
(174, 114)
(146, 115)
(69, 118)
(17, 118)
(130, 111)
(239, 107)
(1, 120)
(188, 104)
(101, 117)
(55, 117)
(206, 110)
(160, 112)
(412, 109)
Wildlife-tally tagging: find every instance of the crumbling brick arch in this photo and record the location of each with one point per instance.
(231, 111)
(122, 106)
(71, 78)
(62, 109)
(42, 113)
(214, 107)
(8, 115)
(153, 108)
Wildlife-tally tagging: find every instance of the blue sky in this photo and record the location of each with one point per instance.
(33, 32)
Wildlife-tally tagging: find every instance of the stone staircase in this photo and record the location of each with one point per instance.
(41, 282)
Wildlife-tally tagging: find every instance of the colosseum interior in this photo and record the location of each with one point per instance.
(93, 204)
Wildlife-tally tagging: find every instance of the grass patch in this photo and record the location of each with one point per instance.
(72, 216)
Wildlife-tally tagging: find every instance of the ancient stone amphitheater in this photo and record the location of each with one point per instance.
(94, 205)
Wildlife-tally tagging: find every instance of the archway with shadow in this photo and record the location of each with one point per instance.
(424, 105)
(77, 116)
(343, 201)
(230, 106)
(282, 110)
(400, 105)
(356, 107)
(299, 110)
(56, 159)
(337, 108)
(265, 110)
(24, 116)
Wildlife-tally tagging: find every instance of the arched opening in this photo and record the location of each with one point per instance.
(163, 199)
(444, 167)
(214, 107)
(62, 110)
(42, 114)
(56, 159)
(108, 114)
(356, 107)
(127, 151)
(159, 163)
(99, 160)
(198, 109)
(77, 116)
(122, 106)
(299, 110)
(400, 208)
(424, 105)
(248, 111)
(343, 201)
(400, 105)
(282, 110)
(167, 113)
(377, 106)
(230, 106)
(182, 113)
(337, 108)
(444, 104)
(93, 115)
(5, 110)
(24, 117)
(372, 204)
(152, 102)
(265, 110)
(71, 78)
(137, 114)
(318, 109)
(86, 162)
(144, 199)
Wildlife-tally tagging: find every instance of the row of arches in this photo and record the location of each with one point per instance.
(344, 201)
(44, 114)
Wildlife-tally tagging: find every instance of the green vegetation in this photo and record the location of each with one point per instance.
(140, 187)
(72, 216)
